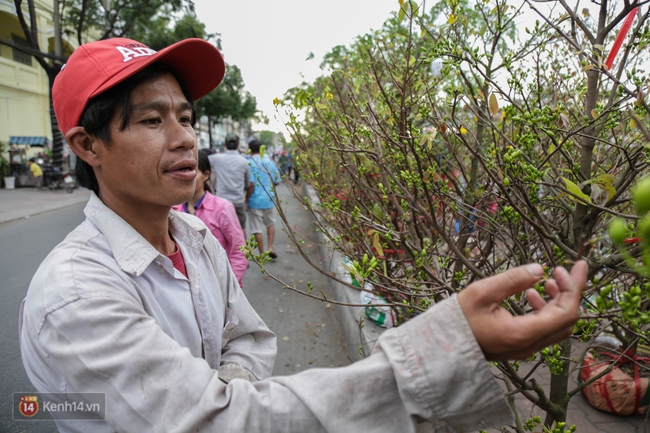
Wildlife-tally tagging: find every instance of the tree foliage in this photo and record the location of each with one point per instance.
(267, 138)
(122, 18)
(449, 146)
(162, 32)
(229, 99)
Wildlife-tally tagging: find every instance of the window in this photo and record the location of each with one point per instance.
(21, 56)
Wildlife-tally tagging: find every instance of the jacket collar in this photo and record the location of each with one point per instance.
(209, 202)
(132, 252)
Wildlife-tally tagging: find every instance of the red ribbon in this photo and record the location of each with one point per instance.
(620, 37)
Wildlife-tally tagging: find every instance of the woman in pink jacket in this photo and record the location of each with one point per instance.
(220, 217)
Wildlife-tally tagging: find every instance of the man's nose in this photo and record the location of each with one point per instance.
(182, 136)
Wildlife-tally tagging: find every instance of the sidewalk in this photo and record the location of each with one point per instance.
(25, 202)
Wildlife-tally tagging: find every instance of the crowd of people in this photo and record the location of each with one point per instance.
(144, 305)
(239, 184)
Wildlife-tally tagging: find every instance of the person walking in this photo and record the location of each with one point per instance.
(261, 204)
(219, 216)
(37, 173)
(282, 161)
(139, 305)
(289, 165)
(232, 177)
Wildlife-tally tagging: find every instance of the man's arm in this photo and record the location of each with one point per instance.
(153, 383)
(246, 340)
(431, 367)
(249, 191)
(249, 184)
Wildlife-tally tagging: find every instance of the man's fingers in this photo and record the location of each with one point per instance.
(516, 280)
(571, 285)
(560, 314)
(535, 300)
(579, 274)
(551, 289)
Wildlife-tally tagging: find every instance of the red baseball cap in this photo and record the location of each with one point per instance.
(95, 67)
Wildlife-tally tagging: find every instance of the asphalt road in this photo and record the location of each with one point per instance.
(309, 332)
(25, 243)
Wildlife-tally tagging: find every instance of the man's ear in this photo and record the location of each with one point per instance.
(85, 146)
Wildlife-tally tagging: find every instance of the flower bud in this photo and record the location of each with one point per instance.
(641, 196)
(618, 230)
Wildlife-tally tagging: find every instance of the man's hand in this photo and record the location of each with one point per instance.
(506, 337)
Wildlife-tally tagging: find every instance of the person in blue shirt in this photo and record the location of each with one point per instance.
(261, 204)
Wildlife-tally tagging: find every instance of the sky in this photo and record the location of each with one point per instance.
(270, 40)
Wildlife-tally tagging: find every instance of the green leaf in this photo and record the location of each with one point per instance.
(493, 104)
(376, 210)
(606, 181)
(377, 244)
(414, 8)
(401, 14)
(576, 193)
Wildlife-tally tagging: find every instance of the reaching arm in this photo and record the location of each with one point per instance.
(430, 368)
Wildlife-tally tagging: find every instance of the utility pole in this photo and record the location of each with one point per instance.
(58, 44)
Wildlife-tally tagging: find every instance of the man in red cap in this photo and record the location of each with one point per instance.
(139, 304)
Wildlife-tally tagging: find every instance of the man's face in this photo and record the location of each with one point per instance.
(152, 162)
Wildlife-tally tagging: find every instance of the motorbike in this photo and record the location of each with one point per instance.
(57, 178)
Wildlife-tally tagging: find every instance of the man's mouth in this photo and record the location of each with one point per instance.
(181, 170)
(185, 169)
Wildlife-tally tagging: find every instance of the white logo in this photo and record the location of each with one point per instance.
(131, 52)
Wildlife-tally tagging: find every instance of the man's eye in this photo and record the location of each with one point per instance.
(153, 121)
(186, 119)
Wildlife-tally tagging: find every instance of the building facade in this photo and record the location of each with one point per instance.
(24, 87)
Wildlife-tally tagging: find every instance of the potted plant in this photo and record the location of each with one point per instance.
(5, 169)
